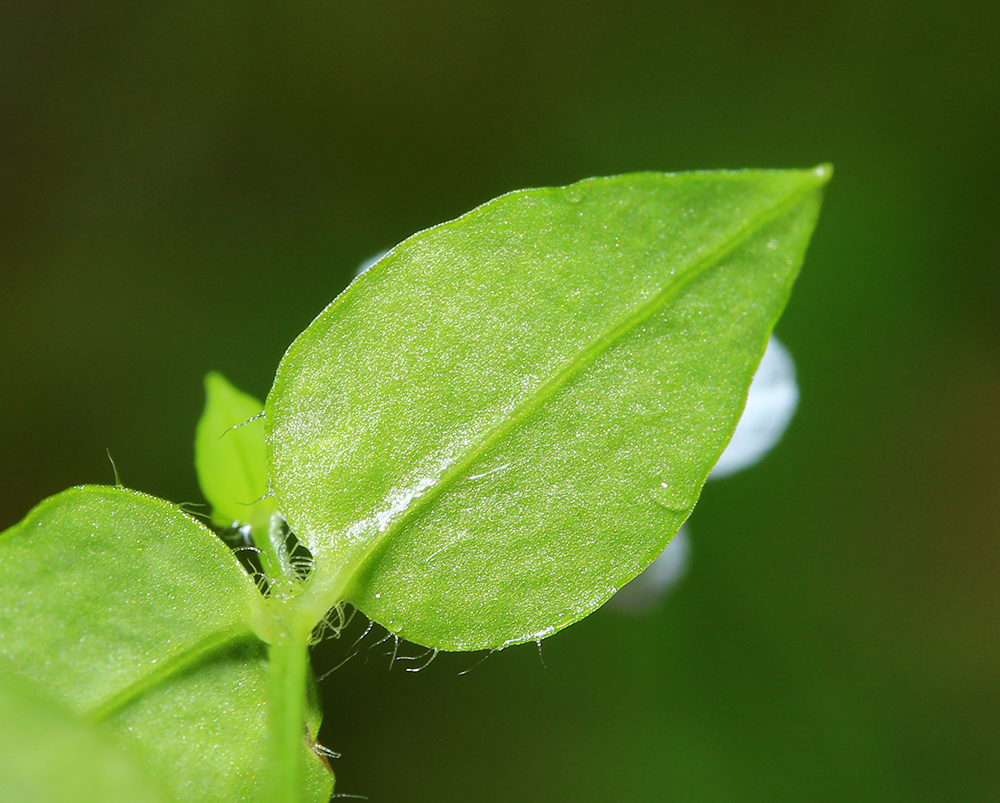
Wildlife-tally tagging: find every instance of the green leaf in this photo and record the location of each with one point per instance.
(229, 456)
(131, 613)
(48, 755)
(507, 417)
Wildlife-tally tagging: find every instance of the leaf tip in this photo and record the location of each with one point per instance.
(823, 173)
(214, 380)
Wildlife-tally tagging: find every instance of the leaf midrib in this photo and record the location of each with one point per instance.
(213, 644)
(574, 367)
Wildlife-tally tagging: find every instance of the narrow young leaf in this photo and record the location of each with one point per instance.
(229, 456)
(131, 613)
(48, 755)
(509, 415)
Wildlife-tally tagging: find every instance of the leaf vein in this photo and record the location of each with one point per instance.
(586, 355)
(209, 646)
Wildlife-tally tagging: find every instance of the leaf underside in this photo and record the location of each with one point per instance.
(509, 415)
(130, 613)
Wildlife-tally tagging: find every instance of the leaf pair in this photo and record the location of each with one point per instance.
(482, 439)
(126, 611)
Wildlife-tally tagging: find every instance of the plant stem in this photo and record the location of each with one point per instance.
(288, 663)
(286, 622)
(274, 558)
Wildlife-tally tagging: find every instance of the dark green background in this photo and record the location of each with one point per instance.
(185, 185)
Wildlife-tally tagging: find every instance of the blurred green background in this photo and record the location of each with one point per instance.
(185, 185)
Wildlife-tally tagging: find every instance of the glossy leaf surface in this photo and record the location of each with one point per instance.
(229, 456)
(509, 415)
(48, 755)
(131, 613)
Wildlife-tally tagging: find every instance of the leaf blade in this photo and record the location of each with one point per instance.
(508, 354)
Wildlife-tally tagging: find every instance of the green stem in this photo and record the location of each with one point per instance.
(286, 622)
(274, 556)
(288, 664)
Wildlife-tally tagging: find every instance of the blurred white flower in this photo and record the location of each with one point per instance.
(643, 592)
(368, 263)
(771, 403)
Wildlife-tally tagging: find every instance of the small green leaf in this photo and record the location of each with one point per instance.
(509, 415)
(229, 456)
(48, 755)
(131, 613)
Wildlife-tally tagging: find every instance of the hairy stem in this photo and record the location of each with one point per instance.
(288, 663)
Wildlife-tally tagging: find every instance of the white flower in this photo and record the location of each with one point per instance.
(771, 403)
(364, 266)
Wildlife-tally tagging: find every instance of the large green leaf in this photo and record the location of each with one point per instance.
(509, 415)
(48, 755)
(131, 613)
(229, 456)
